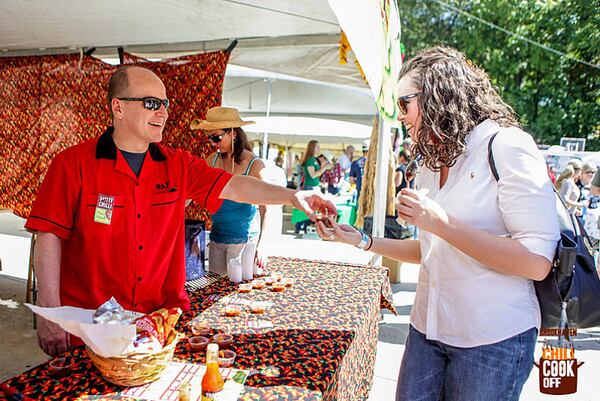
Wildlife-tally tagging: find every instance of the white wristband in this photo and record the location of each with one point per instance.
(363, 241)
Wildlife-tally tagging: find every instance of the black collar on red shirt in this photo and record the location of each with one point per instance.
(106, 148)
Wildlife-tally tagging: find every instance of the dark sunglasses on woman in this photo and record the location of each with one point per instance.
(403, 101)
(216, 138)
(150, 102)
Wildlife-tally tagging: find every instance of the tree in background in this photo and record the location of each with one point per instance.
(554, 95)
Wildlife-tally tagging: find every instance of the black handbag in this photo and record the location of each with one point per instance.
(570, 295)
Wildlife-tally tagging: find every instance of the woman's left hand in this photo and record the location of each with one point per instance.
(261, 257)
(417, 209)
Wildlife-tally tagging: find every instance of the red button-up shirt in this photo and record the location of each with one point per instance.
(139, 257)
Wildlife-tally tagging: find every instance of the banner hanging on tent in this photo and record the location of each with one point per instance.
(54, 102)
(370, 22)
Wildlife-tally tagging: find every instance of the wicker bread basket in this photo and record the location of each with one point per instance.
(135, 369)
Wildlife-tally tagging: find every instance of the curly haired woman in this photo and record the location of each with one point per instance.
(475, 318)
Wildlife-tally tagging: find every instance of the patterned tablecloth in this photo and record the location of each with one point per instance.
(321, 347)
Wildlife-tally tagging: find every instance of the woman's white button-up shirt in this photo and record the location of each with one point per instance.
(459, 301)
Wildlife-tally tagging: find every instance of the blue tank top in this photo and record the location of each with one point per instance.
(234, 222)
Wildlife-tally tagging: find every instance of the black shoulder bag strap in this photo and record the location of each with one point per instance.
(491, 157)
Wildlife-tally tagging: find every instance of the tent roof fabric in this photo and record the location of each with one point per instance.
(31, 24)
(292, 131)
(296, 38)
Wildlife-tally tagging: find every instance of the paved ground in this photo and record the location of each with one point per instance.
(19, 351)
(393, 332)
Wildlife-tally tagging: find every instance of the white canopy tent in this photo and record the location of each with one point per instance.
(298, 39)
(248, 91)
(295, 132)
(295, 38)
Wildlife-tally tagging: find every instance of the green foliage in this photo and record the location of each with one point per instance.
(554, 96)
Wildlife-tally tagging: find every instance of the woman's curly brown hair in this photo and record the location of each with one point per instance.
(455, 96)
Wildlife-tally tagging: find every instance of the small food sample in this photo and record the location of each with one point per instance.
(198, 343)
(224, 340)
(258, 307)
(288, 281)
(278, 287)
(326, 218)
(199, 327)
(245, 287)
(277, 276)
(226, 358)
(61, 366)
(269, 280)
(232, 310)
(258, 284)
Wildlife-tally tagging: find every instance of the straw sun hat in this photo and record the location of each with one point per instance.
(220, 118)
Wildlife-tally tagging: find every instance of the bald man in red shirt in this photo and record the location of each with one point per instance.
(110, 212)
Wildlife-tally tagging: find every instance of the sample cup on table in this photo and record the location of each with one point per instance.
(258, 307)
(60, 366)
(247, 287)
(288, 281)
(223, 340)
(258, 284)
(226, 358)
(234, 270)
(198, 343)
(199, 327)
(232, 310)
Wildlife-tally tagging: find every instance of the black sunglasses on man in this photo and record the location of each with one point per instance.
(150, 102)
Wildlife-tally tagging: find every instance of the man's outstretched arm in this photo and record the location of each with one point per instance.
(254, 191)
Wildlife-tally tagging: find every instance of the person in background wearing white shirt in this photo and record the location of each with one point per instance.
(482, 242)
(568, 189)
(345, 160)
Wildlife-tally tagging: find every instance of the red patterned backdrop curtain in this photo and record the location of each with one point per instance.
(53, 102)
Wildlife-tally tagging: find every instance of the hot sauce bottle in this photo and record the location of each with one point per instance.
(212, 382)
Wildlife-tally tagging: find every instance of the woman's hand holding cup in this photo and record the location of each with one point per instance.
(416, 208)
(329, 230)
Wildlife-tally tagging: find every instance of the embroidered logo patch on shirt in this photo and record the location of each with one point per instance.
(104, 209)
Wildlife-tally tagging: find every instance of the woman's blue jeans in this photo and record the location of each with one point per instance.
(433, 371)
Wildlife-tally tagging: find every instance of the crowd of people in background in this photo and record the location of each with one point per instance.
(579, 186)
(339, 174)
(342, 174)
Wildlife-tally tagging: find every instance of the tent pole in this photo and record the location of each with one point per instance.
(381, 181)
(265, 147)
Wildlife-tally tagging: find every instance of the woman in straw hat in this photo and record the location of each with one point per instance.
(236, 227)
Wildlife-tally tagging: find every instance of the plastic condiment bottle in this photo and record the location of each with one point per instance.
(212, 382)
